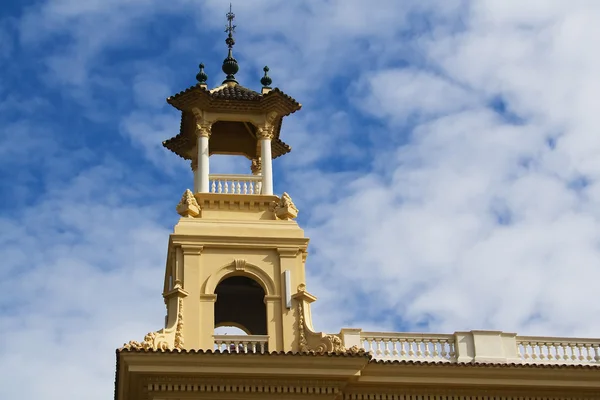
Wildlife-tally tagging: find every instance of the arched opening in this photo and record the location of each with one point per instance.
(229, 328)
(240, 303)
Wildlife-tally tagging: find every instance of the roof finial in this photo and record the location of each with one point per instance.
(230, 65)
(266, 80)
(201, 77)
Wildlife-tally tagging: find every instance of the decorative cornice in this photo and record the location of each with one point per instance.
(302, 295)
(288, 252)
(179, 292)
(191, 249)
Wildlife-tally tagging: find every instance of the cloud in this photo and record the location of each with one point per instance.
(81, 263)
(481, 219)
(399, 94)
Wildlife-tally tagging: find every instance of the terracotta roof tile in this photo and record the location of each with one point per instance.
(271, 353)
(370, 358)
(236, 92)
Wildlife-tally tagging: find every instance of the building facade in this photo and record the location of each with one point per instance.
(237, 258)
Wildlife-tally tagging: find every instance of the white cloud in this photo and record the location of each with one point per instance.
(85, 265)
(404, 93)
(431, 236)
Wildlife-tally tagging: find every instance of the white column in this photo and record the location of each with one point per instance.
(266, 161)
(203, 164)
(196, 175)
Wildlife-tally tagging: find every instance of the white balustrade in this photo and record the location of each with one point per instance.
(235, 184)
(445, 348)
(552, 350)
(241, 343)
(409, 346)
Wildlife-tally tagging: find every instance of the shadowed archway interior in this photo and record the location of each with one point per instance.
(240, 300)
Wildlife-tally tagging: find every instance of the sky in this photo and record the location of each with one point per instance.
(446, 165)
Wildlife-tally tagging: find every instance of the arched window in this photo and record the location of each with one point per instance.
(240, 303)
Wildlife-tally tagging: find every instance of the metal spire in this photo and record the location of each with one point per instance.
(230, 65)
(230, 28)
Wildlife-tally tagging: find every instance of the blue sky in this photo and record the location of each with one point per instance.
(445, 164)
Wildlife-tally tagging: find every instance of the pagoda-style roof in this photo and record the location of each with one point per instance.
(229, 98)
(234, 97)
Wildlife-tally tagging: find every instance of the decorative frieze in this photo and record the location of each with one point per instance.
(246, 386)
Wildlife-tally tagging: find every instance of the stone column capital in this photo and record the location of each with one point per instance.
(204, 128)
(265, 132)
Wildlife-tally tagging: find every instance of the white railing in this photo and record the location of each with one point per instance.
(409, 346)
(241, 343)
(552, 350)
(476, 346)
(235, 184)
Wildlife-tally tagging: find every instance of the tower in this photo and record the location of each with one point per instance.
(236, 257)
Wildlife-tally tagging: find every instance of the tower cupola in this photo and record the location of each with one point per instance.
(234, 120)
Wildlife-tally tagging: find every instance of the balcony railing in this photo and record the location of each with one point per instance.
(478, 346)
(407, 346)
(551, 350)
(235, 184)
(242, 343)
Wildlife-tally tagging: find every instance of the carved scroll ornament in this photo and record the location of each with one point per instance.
(325, 344)
(164, 339)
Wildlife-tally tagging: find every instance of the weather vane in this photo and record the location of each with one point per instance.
(230, 28)
(230, 65)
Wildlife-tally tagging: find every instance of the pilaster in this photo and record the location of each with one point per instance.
(274, 323)
(290, 259)
(351, 337)
(191, 254)
(486, 347)
(207, 321)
